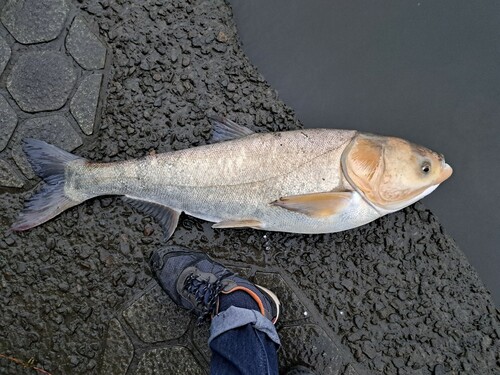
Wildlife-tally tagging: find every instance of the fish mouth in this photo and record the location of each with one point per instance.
(446, 172)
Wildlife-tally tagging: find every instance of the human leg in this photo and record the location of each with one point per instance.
(243, 338)
(244, 349)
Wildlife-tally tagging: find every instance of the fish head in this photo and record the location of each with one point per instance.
(392, 173)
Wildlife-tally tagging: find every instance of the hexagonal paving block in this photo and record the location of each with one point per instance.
(55, 130)
(41, 81)
(154, 317)
(83, 105)
(8, 122)
(293, 308)
(201, 333)
(35, 21)
(175, 360)
(8, 175)
(84, 46)
(118, 350)
(4, 54)
(245, 272)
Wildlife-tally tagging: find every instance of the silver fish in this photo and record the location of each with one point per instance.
(303, 181)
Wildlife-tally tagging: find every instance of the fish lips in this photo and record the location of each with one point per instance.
(446, 172)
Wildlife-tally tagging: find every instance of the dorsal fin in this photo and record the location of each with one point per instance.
(225, 130)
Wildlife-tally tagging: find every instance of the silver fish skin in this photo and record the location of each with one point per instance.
(303, 181)
(234, 180)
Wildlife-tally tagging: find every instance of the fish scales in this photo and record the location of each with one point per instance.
(255, 158)
(228, 180)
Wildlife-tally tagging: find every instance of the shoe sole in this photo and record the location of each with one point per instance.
(275, 299)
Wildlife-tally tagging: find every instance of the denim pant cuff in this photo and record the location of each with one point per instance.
(235, 317)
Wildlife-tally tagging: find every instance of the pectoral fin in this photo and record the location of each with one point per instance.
(318, 205)
(248, 223)
(166, 217)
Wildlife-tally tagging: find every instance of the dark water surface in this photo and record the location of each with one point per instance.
(425, 71)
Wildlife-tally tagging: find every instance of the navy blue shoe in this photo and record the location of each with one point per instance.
(195, 282)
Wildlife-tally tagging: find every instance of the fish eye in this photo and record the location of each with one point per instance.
(426, 167)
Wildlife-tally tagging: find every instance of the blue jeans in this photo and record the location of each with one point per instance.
(243, 342)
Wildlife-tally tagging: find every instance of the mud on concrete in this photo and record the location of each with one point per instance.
(393, 297)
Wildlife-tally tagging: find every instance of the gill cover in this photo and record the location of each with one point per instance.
(381, 169)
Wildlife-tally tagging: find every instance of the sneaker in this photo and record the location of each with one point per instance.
(195, 282)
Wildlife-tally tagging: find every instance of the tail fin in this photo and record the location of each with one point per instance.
(49, 163)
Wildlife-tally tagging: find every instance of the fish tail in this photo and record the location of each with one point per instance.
(49, 163)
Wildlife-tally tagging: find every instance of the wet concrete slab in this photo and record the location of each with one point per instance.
(77, 296)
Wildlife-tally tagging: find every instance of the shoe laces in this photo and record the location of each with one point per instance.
(205, 293)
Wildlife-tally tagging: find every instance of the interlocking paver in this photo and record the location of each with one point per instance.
(5, 52)
(83, 105)
(170, 320)
(85, 47)
(34, 21)
(294, 309)
(8, 122)
(41, 81)
(118, 350)
(8, 175)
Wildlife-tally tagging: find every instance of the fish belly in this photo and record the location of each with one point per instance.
(252, 202)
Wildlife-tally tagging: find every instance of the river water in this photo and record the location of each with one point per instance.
(425, 71)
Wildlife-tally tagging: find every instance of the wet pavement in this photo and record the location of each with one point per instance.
(115, 80)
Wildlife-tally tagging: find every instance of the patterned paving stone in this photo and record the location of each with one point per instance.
(4, 54)
(8, 122)
(54, 129)
(8, 175)
(84, 46)
(318, 351)
(156, 306)
(83, 106)
(34, 21)
(201, 333)
(118, 350)
(176, 360)
(293, 308)
(244, 272)
(41, 81)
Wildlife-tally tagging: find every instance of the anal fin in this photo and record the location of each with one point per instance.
(167, 217)
(244, 223)
(318, 205)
